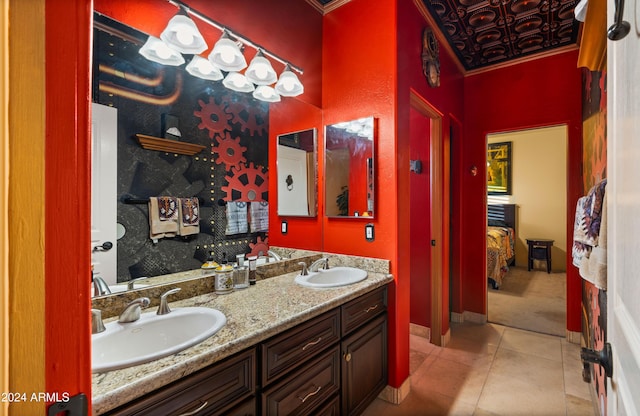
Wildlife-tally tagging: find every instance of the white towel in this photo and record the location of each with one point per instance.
(580, 250)
(237, 221)
(594, 268)
(163, 217)
(259, 216)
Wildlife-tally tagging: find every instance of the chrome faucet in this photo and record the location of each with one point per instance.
(131, 282)
(304, 271)
(131, 312)
(97, 325)
(163, 309)
(100, 287)
(275, 255)
(315, 266)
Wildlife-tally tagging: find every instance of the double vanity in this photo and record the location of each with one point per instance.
(284, 348)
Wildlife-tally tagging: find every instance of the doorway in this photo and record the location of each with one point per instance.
(429, 211)
(534, 299)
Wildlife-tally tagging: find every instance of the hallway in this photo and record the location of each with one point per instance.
(493, 370)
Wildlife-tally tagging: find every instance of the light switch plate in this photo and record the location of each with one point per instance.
(284, 227)
(369, 233)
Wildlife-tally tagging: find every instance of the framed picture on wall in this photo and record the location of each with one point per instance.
(499, 168)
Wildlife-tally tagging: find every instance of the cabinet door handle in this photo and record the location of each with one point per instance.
(195, 411)
(313, 393)
(347, 357)
(370, 308)
(312, 343)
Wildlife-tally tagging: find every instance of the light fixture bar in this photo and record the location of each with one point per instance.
(208, 20)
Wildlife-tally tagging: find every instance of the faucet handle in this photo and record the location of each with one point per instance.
(163, 309)
(97, 325)
(304, 271)
(130, 283)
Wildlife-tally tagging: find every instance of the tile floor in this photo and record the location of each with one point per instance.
(493, 370)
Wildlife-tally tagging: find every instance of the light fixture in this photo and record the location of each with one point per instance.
(237, 82)
(260, 71)
(288, 84)
(226, 54)
(156, 50)
(182, 34)
(202, 68)
(266, 93)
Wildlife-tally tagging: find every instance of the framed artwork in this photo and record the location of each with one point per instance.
(499, 168)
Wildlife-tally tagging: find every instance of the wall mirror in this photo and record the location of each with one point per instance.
(297, 174)
(349, 168)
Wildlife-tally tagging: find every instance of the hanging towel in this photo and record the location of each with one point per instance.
(259, 216)
(236, 218)
(189, 216)
(163, 217)
(580, 250)
(594, 267)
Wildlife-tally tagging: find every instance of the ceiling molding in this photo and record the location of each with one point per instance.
(444, 43)
(328, 7)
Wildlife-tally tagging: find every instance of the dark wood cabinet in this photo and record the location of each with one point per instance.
(364, 365)
(212, 391)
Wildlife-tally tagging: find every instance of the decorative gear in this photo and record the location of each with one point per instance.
(213, 117)
(259, 247)
(250, 116)
(229, 151)
(249, 184)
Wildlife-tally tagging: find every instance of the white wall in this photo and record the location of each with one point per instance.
(539, 188)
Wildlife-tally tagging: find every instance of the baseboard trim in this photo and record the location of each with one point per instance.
(446, 338)
(396, 395)
(457, 317)
(419, 330)
(574, 337)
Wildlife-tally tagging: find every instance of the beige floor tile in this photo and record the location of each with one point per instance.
(533, 369)
(416, 358)
(451, 379)
(515, 397)
(419, 403)
(481, 333)
(573, 383)
(577, 406)
(469, 352)
(421, 344)
(544, 346)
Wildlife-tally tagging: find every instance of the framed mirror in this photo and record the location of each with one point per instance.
(297, 174)
(349, 168)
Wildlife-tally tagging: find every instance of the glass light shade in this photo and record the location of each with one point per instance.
(226, 55)
(156, 50)
(260, 71)
(182, 35)
(237, 82)
(289, 85)
(202, 68)
(266, 93)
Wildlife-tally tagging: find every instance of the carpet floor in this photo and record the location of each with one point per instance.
(534, 301)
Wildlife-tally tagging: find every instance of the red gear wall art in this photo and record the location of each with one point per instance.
(229, 151)
(247, 183)
(248, 116)
(213, 117)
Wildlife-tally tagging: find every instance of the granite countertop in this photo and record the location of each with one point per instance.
(253, 315)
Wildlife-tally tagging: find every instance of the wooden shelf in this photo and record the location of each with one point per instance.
(167, 145)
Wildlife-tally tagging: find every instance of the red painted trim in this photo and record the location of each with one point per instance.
(67, 194)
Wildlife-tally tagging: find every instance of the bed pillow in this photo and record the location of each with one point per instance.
(497, 223)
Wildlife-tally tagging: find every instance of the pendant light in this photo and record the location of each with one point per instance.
(289, 85)
(266, 93)
(202, 68)
(237, 82)
(226, 54)
(260, 71)
(183, 35)
(156, 50)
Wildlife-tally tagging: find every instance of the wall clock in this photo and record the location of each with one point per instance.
(430, 58)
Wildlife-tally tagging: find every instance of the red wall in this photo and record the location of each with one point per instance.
(543, 92)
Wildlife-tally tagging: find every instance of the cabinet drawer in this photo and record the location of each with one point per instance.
(305, 390)
(247, 408)
(332, 408)
(214, 390)
(362, 309)
(295, 346)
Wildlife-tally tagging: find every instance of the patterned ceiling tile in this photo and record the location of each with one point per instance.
(488, 32)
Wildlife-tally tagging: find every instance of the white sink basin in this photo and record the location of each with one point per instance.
(333, 277)
(152, 337)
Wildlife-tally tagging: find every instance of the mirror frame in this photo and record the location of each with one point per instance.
(293, 138)
(370, 167)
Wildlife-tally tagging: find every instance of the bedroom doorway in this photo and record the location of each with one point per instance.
(534, 179)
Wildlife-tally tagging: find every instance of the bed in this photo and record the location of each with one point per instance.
(501, 238)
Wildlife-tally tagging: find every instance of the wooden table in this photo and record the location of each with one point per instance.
(539, 249)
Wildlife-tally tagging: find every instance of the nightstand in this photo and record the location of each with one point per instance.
(539, 249)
